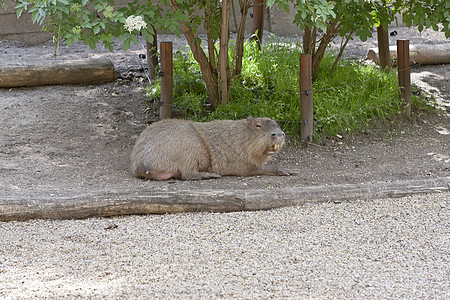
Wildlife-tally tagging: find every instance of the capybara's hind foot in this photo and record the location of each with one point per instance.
(165, 175)
(141, 172)
(199, 175)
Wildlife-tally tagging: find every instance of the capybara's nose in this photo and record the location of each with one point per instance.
(278, 137)
(278, 134)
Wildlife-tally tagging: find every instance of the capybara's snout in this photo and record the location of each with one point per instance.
(278, 136)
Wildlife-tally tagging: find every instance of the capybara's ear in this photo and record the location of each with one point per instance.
(250, 119)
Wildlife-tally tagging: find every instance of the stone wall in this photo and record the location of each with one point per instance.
(21, 29)
(24, 30)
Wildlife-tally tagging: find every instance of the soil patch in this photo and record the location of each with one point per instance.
(65, 141)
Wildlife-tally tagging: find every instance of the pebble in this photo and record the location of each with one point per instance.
(377, 249)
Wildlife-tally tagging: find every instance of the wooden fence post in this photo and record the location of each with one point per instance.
(166, 80)
(306, 98)
(152, 55)
(404, 75)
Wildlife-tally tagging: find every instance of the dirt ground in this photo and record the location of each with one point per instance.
(73, 140)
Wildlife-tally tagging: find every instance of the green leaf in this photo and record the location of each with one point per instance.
(124, 36)
(19, 10)
(134, 38)
(109, 47)
(97, 29)
(35, 16)
(147, 36)
(126, 44)
(69, 41)
(92, 43)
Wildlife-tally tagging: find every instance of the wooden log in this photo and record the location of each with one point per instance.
(59, 72)
(422, 54)
(145, 201)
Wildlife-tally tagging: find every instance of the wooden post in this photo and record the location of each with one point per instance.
(404, 75)
(166, 80)
(383, 48)
(152, 55)
(258, 21)
(306, 97)
(223, 61)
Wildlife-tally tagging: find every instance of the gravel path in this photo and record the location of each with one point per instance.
(390, 248)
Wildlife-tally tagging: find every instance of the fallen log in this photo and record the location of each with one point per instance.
(60, 72)
(144, 201)
(422, 54)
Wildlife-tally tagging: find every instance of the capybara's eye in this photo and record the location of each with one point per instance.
(258, 125)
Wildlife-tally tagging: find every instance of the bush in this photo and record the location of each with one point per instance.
(268, 86)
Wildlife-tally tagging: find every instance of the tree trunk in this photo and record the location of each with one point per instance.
(383, 48)
(309, 43)
(239, 48)
(152, 55)
(209, 37)
(217, 77)
(208, 74)
(319, 54)
(258, 21)
(224, 68)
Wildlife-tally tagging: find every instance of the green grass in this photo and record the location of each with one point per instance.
(346, 102)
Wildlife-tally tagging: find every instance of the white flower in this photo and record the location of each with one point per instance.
(134, 23)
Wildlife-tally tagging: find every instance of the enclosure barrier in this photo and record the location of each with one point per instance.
(166, 80)
(306, 92)
(404, 75)
(306, 98)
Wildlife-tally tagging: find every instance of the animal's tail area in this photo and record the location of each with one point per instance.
(205, 143)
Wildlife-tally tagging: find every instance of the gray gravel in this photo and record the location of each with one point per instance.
(390, 248)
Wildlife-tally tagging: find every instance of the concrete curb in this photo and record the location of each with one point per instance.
(103, 204)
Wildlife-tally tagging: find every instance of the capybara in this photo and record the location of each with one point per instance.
(188, 150)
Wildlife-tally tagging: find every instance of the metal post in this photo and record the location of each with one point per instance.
(404, 75)
(306, 97)
(166, 80)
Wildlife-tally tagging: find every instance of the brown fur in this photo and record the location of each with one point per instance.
(192, 150)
